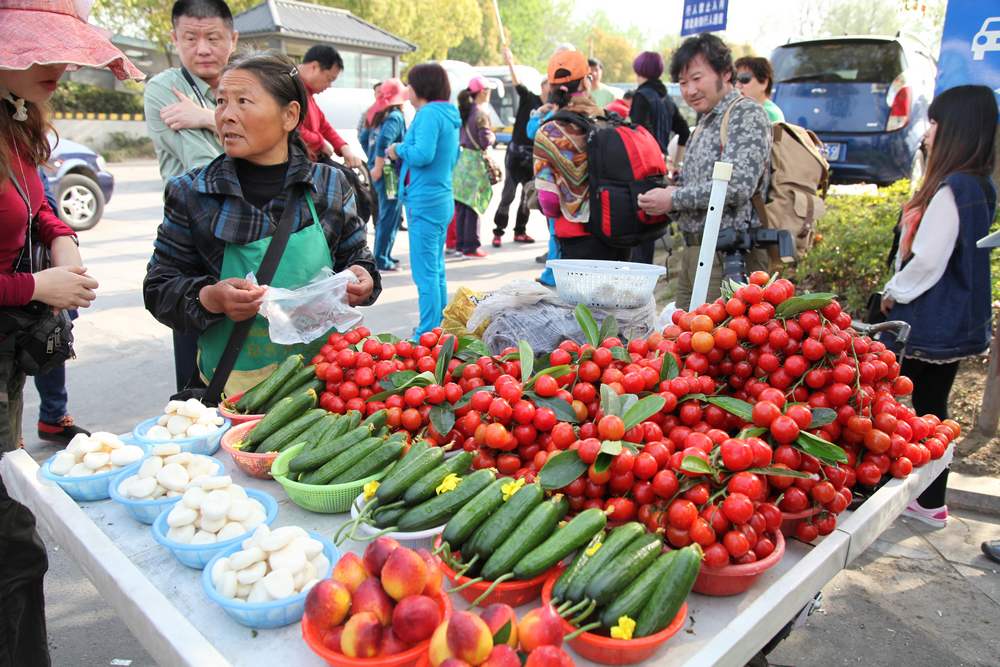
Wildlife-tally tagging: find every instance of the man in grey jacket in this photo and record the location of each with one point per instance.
(703, 66)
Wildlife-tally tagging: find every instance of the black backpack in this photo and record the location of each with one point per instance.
(661, 112)
(623, 161)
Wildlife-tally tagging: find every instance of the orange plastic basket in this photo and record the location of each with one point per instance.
(408, 658)
(235, 417)
(513, 593)
(253, 464)
(608, 651)
(734, 579)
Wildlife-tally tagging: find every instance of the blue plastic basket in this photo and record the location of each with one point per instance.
(83, 489)
(198, 555)
(261, 615)
(146, 511)
(205, 444)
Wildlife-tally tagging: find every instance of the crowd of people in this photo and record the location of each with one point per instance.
(247, 159)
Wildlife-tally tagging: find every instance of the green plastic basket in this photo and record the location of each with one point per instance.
(325, 499)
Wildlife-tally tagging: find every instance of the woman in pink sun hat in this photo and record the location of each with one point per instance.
(389, 127)
(41, 39)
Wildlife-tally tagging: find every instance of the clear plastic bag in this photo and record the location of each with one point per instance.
(304, 314)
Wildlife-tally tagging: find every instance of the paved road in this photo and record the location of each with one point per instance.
(918, 597)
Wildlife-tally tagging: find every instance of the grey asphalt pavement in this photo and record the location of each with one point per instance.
(918, 597)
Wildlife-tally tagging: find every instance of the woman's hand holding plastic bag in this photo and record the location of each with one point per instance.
(302, 315)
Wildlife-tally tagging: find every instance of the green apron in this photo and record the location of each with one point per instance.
(305, 255)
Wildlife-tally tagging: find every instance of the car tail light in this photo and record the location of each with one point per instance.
(899, 99)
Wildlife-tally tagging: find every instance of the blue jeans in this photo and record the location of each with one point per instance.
(428, 226)
(547, 278)
(390, 214)
(52, 391)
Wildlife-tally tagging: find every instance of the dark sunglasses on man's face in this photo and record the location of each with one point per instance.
(744, 78)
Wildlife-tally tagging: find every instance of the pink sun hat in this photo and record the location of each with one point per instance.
(50, 32)
(391, 92)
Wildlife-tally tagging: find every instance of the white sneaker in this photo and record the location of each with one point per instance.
(936, 517)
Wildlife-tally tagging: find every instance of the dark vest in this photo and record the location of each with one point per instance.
(661, 114)
(953, 318)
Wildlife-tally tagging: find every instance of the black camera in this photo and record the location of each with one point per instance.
(734, 244)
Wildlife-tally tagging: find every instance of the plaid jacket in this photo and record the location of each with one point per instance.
(204, 210)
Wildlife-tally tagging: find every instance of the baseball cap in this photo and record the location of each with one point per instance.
(480, 83)
(566, 66)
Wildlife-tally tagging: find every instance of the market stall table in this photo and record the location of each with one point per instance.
(164, 606)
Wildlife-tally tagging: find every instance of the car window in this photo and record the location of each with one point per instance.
(854, 61)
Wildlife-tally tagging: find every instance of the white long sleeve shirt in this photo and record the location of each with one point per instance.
(932, 247)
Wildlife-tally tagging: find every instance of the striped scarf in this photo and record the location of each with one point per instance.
(561, 160)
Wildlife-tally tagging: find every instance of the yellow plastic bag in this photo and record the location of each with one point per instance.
(457, 313)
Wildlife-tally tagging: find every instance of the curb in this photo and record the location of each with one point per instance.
(969, 492)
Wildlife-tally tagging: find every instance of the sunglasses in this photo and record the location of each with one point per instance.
(744, 78)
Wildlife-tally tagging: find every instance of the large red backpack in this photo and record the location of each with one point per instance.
(623, 161)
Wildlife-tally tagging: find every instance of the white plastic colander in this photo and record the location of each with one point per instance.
(605, 284)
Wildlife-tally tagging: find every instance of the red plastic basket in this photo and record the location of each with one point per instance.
(513, 593)
(235, 417)
(609, 651)
(253, 464)
(407, 658)
(735, 579)
(791, 520)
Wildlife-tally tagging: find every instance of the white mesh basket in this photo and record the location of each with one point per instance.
(604, 284)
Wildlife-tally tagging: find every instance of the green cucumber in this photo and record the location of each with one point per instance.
(299, 381)
(353, 420)
(670, 592)
(624, 568)
(531, 532)
(489, 536)
(424, 488)
(318, 431)
(287, 410)
(472, 515)
(329, 449)
(291, 431)
(583, 556)
(399, 480)
(255, 397)
(377, 419)
(442, 507)
(384, 518)
(343, 461)
(377, 461)
(632, 600)
(618, 539)
(561, 543)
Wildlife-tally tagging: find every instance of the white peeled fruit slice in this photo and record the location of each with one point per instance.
(90, 445)
(126, 455)
(242, 592)
(310, 547)
(229, 584)
(177, 425)
(96, 460)
(107, 440)
(322, 565)
(173, 477)
(237, 492)
(166, 449)
(305, 574)
(258, 593)
(194, 497)
(201, 466)
(246, 558)
(158, 433)
(79, 470)
(172, 407)
(217, 482)
(203, 537)
(220, 567)
(231, 529)
(260, 533)
(216, 504)
(181, 515)
(180, 458)
(62, 463)
(211, 525)
(278, 584)
(289, 558)
(239, 510)
(253, 574)
(150, 467)
(278, 539)
(196, 431)
(142, 488)
(182, 534)
(75, 445)
(162, 421)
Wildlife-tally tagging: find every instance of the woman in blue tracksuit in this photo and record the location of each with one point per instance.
(538, 117)
(429, 152)
(389, 127)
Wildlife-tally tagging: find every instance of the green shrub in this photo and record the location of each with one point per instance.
(854, 235)
(121, 146)
(72, 96)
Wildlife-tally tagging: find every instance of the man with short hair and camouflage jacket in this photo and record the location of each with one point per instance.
(703, 66)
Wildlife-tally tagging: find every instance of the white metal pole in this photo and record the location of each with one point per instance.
(721, 174)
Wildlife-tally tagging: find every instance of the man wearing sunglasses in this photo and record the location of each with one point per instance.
(755, 79)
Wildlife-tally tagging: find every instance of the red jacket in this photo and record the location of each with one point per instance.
(315, 129)
(16, 288)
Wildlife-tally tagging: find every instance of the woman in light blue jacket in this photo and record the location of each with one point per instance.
(429, 152)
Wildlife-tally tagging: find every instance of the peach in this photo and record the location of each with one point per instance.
(435, 579)
(377, 552)
(502, 656)
(415, 618)
(540, 627)
(370, 597)
(549, 656)
(392, 644)
(404, 574)
(327, 603)
(331, 638)
(455, 662)
(438, 650)
(362, 636)
(350, 571)
(497, 616)
(469, 638)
